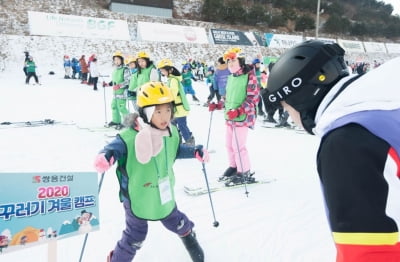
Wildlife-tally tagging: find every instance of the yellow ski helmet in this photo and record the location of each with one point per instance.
(118, 53)
(154, 93)
(233, 53)
(165, 62)
(143, 54)
(130, 59)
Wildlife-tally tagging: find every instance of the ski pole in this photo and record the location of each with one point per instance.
(240, 157)
(87, 234)
(215, 223)
(105, 102)
(209, 128)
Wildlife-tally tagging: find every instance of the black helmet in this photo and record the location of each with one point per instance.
(303, 75)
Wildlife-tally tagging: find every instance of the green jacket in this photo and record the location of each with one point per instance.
(236, 93)
(30, 67)
(143, 179)
(187, 78)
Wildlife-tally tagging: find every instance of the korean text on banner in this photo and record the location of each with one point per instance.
(36, 208)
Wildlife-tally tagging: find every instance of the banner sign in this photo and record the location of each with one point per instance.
(77, 26)
(374, 47)
(254, 38)
(393, 48)
(282, 41)
(154, 3)
(158, 32)
(229, 37)
(36, 208)
(351, 46)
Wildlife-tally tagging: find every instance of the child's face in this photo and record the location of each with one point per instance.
(164, 71)
(233, 65)
(142, 63)
(162, 116)
(117, 61)
(132, 65)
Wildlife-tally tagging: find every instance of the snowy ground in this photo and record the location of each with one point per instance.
(280, 221)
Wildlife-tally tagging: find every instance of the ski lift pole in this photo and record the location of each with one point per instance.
(87, 234)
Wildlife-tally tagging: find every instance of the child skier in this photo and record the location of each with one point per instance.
(220, 78)
(210, 82)
(67, 67)
(145, 152)
(182, 106)
(131, 63)
(358, 121)
(119, 83)
(187, 77)
(146, 71)
(242, 95)
(31, 71)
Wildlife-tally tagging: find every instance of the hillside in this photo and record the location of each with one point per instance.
(48, 51)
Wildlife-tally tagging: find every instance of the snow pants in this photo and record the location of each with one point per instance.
(136, 231)
(119, 110)
(29, 75)
(183, 128)
(189, 90)
(67, 70)
(236, 139)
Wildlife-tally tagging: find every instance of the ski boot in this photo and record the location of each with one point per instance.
(241, 178)
(190, 141)
(119, 126)
(283, 120)
(229, 172)
(285, 124)
(193, 247)
(111, 124)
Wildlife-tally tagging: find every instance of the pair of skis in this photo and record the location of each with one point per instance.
(220, 186)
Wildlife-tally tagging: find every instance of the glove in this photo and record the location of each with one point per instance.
(102, 164)
(233, 113)
(116, 87)
(105, 84)
(131, 93)
(220, 105)
(212, 107)
(201, 154)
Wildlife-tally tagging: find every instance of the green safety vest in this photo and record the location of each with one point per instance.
(236, 93)
(143, 179)
(118, 78)
(181, 100)
(144, 76)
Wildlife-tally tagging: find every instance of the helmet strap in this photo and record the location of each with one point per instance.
(149, 110)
